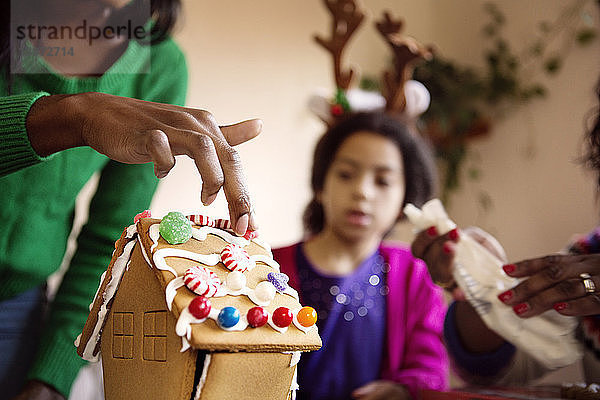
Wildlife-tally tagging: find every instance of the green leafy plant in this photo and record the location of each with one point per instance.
(466, 100)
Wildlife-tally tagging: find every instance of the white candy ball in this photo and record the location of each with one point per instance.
(265, 291)
(236, 280)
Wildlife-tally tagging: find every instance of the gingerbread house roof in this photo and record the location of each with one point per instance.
(235, 274)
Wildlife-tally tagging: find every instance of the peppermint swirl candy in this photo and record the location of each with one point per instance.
(202, 281)
(235, 258)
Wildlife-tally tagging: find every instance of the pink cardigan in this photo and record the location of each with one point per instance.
(415, 355)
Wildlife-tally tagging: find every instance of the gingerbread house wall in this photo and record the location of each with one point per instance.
(233, 376)
(140, 350)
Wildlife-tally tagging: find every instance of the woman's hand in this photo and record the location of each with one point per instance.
(376, 390)
(134, 131)
(555, 281)
(37, 390)
(438, 253)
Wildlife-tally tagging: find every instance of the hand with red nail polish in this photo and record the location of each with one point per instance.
(509, 269)
(554, 282)
(453, 235)
(560, 306)
(448, 248)
(521, 308)
(432, 231)
(438, 251)
(505, 296)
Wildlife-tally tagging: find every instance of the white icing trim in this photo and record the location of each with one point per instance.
(97, 290)
(295, 358)
(171, 290)
(131, 230)
(202, 232)
(118, 269)
(183, 327)
(202, 380)
(290, 291)
(139, 238)
(154, 233)
(160, 255)
(293, 362)
(264, 245)
(185, 344)
(266, 260)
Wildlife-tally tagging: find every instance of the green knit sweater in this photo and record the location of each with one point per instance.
(37, 197)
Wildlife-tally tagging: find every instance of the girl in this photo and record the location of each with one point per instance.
(380, 316)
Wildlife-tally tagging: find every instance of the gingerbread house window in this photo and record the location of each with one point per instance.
(123, 335)
(155, 336)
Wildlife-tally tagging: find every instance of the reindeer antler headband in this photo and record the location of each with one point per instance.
(399, 95)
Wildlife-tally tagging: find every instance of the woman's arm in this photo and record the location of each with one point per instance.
(135, 131)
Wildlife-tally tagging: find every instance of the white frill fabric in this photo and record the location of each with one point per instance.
(549, 337)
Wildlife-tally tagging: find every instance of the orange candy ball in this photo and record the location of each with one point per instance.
(307, 316)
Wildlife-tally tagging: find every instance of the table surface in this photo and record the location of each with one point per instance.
(495, 393)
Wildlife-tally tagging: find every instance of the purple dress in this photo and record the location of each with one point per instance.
(403, 344)
(355, 305)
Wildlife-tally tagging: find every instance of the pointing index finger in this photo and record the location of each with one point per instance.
(235, 188)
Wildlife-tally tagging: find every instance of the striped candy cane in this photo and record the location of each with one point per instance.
(202, 220)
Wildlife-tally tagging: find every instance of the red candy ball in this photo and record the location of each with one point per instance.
(257, 316)
(282, 317)
(337, 110)
(200, 307)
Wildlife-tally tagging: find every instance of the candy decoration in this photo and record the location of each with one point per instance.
(282, 317)
(143, 214)
(257, 317)
(221, 223)
(200, 307)
(202, 220)
(228, 317)
(236, 280)
(307, 316)
(265, 292)
(175, 228)
(202, 281)
(249, 235)
(235, 258)
(279, 280)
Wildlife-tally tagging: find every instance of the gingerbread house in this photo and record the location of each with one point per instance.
(188, 310)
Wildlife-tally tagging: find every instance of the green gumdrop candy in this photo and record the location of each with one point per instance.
(175, 228)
